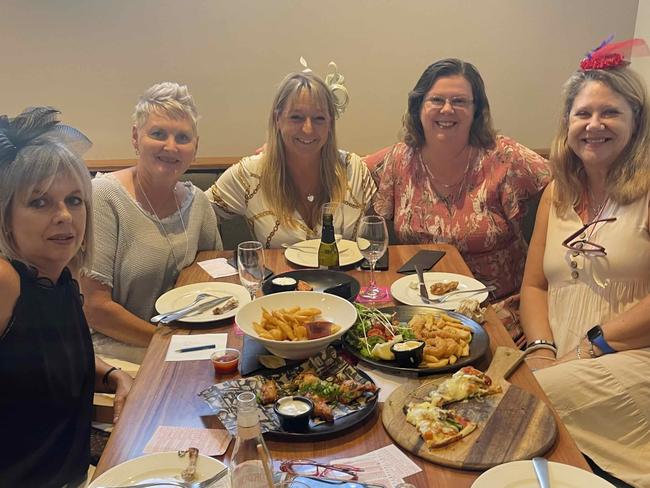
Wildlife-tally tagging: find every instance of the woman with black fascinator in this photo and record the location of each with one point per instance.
(48, 371)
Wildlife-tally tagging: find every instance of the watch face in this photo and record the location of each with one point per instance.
(594, 333)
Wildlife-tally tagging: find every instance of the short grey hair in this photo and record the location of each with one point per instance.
(41, 160)
(167, 98)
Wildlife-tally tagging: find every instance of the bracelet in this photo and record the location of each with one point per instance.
(578, 351)
(537, 347)
(592, 351)
(541, 357)
(541, 341)
(105, 378)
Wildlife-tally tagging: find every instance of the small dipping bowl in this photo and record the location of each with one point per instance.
(294, 413)
(284, 283)
(225, 361)
(408, 354)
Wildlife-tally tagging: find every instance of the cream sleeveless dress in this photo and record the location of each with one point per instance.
(604, 402)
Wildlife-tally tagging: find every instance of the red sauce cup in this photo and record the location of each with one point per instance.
(225, 361)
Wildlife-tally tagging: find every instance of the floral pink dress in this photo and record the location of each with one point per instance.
(482, 218)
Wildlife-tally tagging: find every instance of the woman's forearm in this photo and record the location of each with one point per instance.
(534, 314)
(630, 329)
(113, 320)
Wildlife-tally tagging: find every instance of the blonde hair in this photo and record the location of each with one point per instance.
(168, 98)
(42, 160)
(628, 177)
(278, 189)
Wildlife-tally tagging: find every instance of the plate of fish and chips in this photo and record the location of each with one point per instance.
(452, 340)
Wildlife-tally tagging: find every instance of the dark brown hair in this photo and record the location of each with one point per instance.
(481, 134)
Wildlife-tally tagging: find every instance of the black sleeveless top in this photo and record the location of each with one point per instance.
(47, 377)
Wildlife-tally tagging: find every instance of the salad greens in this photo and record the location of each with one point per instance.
(374, 327)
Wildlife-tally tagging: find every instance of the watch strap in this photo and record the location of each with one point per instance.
(595, 336)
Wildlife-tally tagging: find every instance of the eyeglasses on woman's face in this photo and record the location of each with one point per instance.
(457, 103)
(578, 242)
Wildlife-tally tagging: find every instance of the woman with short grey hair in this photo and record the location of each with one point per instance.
(149, 225)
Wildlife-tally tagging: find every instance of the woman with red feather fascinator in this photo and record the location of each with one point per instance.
(586, 291)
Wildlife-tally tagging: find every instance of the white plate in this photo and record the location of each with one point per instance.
(521, 474)
(161, 466)
(181, 297)
(309, 256)
(402, 291)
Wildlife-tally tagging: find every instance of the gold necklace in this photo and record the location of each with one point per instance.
(433, 179)
(180, 214)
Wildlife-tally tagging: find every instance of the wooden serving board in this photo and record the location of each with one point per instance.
(512, 425)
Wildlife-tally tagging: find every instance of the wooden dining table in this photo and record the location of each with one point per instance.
(165, 393)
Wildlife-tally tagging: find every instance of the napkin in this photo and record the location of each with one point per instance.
(210, 442)
(386, 382)
(387, 466)
(218, 267)
(181, 341)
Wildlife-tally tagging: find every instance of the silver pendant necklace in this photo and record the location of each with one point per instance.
(310, 198)
(180, 214)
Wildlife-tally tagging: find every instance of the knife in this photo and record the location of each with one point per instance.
(424, 294)
(541, 471)
(198, 308)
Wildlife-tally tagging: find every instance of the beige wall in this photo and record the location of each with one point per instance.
(642, 65)
(91, 59)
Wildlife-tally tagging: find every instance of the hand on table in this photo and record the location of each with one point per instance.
(123, 383)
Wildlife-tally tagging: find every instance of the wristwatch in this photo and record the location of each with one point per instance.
(595, 336)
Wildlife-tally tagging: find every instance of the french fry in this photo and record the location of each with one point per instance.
(287, 323)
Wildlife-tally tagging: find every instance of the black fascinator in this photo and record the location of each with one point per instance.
(31, 127)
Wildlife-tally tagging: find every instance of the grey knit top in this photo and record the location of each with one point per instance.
(140, 259)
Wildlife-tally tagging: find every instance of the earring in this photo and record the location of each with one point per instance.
(83, 245)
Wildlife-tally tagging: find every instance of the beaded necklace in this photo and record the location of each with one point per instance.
(180, 214)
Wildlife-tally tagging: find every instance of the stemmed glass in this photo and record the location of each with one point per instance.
(250, 264)
(372, 239)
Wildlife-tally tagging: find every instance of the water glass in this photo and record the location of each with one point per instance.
(250, 264)
(372, 239)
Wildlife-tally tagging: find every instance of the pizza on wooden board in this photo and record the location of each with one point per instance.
(440, 427)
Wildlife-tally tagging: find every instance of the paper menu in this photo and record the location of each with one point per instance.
(180, 341)
(210, 442)
(388, 466)
(218, 267)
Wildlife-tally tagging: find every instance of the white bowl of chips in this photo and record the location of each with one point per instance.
(287, 312)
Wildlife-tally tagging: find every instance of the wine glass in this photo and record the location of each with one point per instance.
(372, 239)
(250, 264)
(336, 210)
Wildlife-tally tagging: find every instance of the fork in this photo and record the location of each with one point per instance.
(157, 318)
(451, 294)
(181, 484)
(307, 249)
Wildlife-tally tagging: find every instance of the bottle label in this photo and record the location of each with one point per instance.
(249, 474)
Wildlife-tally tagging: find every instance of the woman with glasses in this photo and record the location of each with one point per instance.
(280, 191)
(453, 180)
(586, 291)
